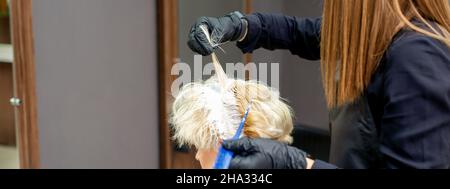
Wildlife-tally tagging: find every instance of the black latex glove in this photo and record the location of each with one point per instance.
(222, 29)
(264, 154)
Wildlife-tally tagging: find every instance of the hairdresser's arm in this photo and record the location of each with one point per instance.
(301, 36)
(269, 154)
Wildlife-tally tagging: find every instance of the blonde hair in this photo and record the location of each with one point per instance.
(356, 33)
(203, 114)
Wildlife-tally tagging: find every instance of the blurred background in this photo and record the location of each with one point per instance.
(102, 80)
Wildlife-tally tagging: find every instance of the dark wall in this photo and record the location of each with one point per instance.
(300, 80)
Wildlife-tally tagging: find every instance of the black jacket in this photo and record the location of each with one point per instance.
(402, 121)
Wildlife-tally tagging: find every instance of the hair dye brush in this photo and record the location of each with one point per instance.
(224, 156)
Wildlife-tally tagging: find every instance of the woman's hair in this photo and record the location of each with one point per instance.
(203, 113)
(356, 33)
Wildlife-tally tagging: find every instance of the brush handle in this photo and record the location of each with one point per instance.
(224, 158)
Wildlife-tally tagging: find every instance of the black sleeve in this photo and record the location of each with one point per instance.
(318, 164)
(415, 126)
(301, 36)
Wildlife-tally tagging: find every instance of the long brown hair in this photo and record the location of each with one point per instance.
(356, 33)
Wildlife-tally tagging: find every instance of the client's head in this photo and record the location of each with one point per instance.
(206, 113)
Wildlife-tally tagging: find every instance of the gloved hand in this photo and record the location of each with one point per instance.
(223, 29)
(265, 154)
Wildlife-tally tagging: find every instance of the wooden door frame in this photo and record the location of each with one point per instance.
(24, 83)
(168, 51)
